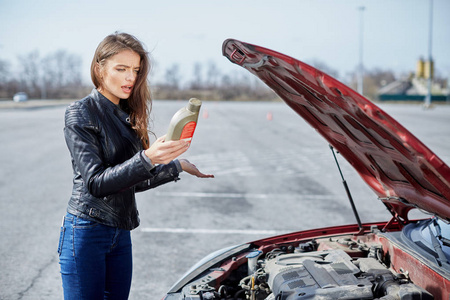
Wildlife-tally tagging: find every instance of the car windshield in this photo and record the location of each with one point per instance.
(433, 236)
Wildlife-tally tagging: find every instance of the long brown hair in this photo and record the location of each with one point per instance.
(138, 105)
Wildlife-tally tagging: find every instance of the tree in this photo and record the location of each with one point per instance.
(4, 71)
(4, 78)
(30, 77)
(212, 76)
(173, 77)
(197, 82)
(373, 80)
(9, 85)
(57, 75)
(61, 75)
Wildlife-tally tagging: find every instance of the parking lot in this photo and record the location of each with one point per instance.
(274, 174)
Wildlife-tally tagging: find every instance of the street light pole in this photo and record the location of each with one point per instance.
(430, 58)
(361, 66)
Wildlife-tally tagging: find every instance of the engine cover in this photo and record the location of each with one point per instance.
(327, 274)
(319, 275)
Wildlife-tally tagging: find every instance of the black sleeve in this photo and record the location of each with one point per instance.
(81, 134)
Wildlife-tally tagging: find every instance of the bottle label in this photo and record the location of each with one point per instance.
(188, 130)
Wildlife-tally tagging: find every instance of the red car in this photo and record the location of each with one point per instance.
(395, 259)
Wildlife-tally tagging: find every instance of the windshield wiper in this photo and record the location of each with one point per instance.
(445, 242)
(435, 241)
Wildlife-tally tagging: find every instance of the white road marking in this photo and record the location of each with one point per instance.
(244, 195)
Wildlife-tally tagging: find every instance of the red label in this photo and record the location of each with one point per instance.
(188, 130)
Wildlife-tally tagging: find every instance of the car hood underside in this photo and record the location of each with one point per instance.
(401, 170)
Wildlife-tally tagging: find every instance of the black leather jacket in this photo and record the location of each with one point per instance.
(108, 163)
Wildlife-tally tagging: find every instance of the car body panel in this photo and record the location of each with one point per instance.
(215, 269)
(215, 257)
(206, 263)
(401, 170)
(397, 259)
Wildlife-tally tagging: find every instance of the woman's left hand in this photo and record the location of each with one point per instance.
(192, 169)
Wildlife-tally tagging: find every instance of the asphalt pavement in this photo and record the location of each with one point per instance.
(274, 174)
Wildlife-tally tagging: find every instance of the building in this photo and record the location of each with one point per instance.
(415, 87)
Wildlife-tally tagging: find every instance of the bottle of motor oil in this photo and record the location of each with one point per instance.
(184, 121)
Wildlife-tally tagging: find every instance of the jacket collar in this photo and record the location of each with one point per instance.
(110, 106)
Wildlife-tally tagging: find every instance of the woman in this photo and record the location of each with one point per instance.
(107, 136)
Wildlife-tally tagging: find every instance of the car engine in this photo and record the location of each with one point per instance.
(289, 273)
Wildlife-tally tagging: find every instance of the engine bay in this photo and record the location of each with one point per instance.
(343, 267)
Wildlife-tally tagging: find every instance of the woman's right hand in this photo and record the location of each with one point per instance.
(163, 152)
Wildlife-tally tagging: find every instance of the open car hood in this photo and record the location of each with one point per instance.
(401, 170)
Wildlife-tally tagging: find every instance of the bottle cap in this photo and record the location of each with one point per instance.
(194, 105)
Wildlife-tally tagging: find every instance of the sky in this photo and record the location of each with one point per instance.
(185, 32)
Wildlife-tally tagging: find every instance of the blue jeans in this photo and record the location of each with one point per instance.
(95, 259)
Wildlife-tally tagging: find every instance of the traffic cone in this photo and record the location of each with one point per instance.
(205, 114)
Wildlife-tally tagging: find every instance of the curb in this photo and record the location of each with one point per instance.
(9, 104)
